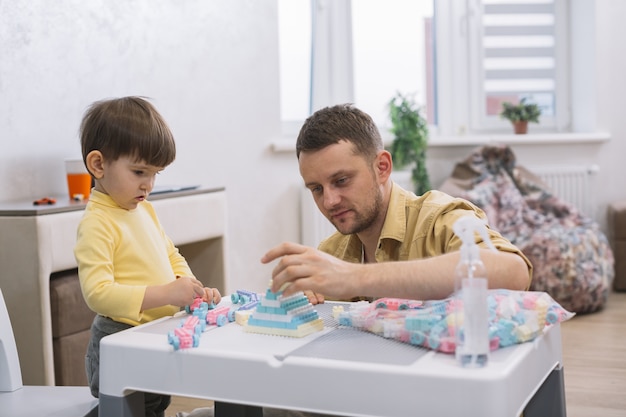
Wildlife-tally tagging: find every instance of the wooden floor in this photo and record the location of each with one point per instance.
(594, 356)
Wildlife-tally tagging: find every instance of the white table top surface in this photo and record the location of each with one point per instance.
(339, 370)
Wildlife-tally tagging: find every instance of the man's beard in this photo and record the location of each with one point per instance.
(363, 219)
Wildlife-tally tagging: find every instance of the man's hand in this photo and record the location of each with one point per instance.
(307, 269)
(314, 298)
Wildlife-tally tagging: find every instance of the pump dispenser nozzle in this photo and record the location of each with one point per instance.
(465, 228)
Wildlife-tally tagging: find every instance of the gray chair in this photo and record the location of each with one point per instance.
(17, 400)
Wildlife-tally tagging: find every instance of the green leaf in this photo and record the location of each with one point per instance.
(519, 112)
(410, 130)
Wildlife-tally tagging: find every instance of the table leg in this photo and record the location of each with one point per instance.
(549, 400)
(131, 405)
(237, 410)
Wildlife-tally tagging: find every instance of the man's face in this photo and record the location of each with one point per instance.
(344, 185)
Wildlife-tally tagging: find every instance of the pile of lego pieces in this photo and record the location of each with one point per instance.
(187, 334)
(514, 317)
(201, 314)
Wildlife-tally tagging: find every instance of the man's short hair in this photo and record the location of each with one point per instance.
(342, 122)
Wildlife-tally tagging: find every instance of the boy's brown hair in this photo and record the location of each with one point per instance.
(127, 126)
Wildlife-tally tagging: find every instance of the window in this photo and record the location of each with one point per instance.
(392, 51)
(294, 20)
(460, 59)
(513, 50)
(361, 52)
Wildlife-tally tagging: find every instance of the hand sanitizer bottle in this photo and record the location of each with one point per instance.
(471, 311)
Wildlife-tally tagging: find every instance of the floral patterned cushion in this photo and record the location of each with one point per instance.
(572, 259)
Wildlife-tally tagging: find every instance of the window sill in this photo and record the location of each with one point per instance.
(288, 145)
(527, 139)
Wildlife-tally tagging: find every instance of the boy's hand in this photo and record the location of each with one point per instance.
(180, 292)
(184, 290)
(211, 295)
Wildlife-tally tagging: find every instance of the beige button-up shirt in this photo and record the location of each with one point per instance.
(416, 228)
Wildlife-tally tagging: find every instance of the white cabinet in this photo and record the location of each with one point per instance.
(36, 241)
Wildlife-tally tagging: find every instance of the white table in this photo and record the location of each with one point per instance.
(39, 240)
(339, 371)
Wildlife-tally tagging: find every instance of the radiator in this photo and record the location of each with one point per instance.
(574, 184)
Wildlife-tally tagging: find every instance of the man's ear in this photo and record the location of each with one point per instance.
(95, 164)
(383, 165)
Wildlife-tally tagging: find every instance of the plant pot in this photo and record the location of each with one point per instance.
(520, 127)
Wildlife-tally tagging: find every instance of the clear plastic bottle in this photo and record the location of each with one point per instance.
(471, 311)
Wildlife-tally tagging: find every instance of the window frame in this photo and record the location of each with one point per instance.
(454, 100)
(478, 120)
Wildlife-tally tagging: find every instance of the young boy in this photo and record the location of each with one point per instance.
(130, 271)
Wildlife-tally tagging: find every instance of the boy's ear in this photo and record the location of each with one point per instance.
(95, 164)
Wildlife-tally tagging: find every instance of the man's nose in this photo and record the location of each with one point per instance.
(331, 198)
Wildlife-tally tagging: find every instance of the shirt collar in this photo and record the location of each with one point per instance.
(395, 219)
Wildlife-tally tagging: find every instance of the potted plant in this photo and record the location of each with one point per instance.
(520, 114)
(410, 130)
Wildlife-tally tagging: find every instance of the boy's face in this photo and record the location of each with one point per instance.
(344, 186)
(127, 181)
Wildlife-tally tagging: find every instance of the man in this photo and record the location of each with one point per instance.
(389, 242)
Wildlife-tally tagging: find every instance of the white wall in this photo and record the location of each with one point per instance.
(211, 68)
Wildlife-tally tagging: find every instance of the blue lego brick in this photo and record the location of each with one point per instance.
(271, 310)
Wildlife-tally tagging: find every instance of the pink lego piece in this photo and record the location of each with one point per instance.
(196, 304)
(194, 324)
(447, 345)
(218, 316)
(182, 338)
(529, 300)
(187, 334)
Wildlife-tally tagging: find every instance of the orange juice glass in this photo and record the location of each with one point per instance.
(78, 179)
